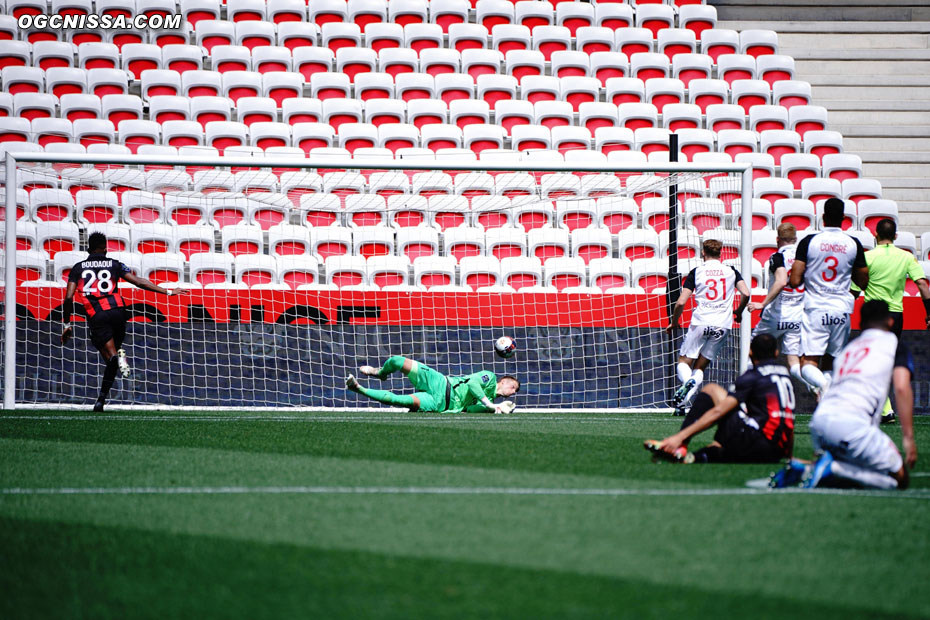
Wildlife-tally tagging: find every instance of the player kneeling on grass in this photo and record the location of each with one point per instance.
(844, 429)
(755, 421)
(436, 392)
(96, 279)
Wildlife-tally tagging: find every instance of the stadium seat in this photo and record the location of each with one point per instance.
(705, 93)
(61, 265)
(211, 269)
(565, 274)
(139, 57)
(822, 143)
(570, 64)
(591, 40)
(675, 41)
(635, 243)
(495, 88)
(649, 274)
(772, 189)
(688, 240)
(705, 214)
(464, 242)
(697, 17)
(17, 79)
(775, 68)
(546, 243)
(799, 212)
(858, 190)
(533, 14)
(389, 271)
(240, 239)
(664, 91)
(791, 93)
(57, 236)
(298, 270)
(842, 166)
(46, 131)
(778, 143)
(320, 210)
(365, 210)
(762, 213)
(420, 37)
(646, 66)
(609, 273)
(638, 115)
(434, 271)
(481, 137)
(807, 118)
(192, 84)
(506, 242)
(254, 270)
(50, 205)
(758, 42)
(467, 36)
(749, 93)
(451, 87)
(418, 241)
(519, 272)
(798, 167)
(192, 239)
(163, 268)
(732, 67)
(817, 189)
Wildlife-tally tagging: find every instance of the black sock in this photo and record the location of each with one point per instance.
(709, 454)
(109, 375)
(701, 405)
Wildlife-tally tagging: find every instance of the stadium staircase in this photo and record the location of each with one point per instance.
(869, 65)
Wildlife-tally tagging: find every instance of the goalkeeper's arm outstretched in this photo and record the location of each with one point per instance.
(435, 392)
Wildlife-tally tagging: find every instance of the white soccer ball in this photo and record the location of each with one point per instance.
(505, 346)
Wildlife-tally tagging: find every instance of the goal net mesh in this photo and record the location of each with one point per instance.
(297, 276)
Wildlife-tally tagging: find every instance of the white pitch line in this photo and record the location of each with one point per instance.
(923, 494)
(298, 418)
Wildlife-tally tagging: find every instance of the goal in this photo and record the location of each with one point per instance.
(302, 269)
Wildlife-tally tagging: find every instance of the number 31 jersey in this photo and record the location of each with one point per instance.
(714, 285)
(97, 277)
(830, 258)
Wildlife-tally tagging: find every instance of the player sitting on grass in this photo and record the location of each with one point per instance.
(713, 285)
(436, 392)
(844, 429)
(755, 421)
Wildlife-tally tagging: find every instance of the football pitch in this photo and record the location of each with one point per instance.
(389, 515)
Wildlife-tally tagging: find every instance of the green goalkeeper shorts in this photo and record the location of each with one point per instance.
(430, 386)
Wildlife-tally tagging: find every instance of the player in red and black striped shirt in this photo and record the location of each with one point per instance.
(95, 281)
(755, 419)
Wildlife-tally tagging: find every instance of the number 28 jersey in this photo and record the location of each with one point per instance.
(97, 277)
(830, 257)
(714, 285)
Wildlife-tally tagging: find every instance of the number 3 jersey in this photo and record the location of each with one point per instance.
(714, 285)
(861, 376)
(830, 257)
(97, 277)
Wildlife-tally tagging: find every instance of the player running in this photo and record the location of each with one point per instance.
(713, 285)
(844, 429)
(889, 268)
(826, 263)
(783, 306)
(436, 392)
(755, 420)
(95, 279)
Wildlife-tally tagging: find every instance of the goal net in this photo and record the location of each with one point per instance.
(300, 271)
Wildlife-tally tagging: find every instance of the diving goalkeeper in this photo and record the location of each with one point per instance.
(436, 392)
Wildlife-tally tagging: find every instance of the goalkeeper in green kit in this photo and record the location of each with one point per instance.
(436, 392)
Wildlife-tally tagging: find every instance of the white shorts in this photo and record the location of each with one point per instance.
(855, 442)
(703, 340)
(824, 332)
(787, 329)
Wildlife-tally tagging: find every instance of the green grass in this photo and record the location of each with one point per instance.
(286, 544)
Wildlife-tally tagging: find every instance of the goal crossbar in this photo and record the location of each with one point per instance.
(14, 159)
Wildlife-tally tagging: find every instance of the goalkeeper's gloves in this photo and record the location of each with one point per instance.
(506, 407)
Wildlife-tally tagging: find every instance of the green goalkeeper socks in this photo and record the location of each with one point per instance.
(388, 398)
(392, 365)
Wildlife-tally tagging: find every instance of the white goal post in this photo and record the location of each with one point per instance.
(266, 340)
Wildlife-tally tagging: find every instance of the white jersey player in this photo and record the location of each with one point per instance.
(826, 263)
(713, 286)
(783, 306)
(845, 424)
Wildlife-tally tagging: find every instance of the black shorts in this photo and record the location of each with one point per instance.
(107, 325)
(898, 326)
(744, 444)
